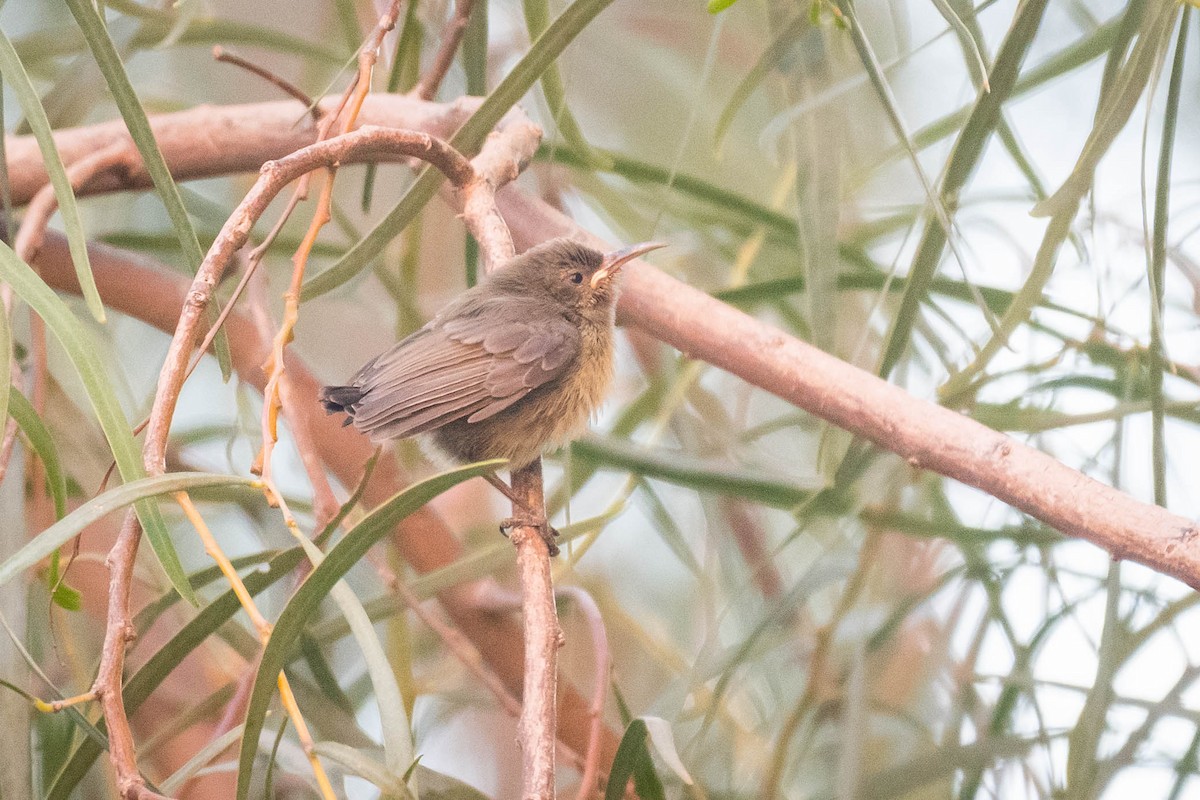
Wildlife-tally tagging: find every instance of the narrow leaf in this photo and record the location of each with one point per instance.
(771, 57)
(109, 61)
(14, 72)
(1114, 111)
(304, 603)
(633, 761)
(537, 16)
(686, 471)
(968, 149)
(43, 444)
(93, 372)
(69, 526)
(396, 733)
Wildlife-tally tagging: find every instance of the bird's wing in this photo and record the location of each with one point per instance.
(463, 367)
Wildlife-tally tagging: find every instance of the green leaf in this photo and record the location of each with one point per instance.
(639, 171)
(359, 763)
(93, 372)
(633, 760)
(1115, 108)
(304, 603)
(475, 51)
(69, 526)
(43, 444)
(14, 72)
(941, 203)
(40, 46)
(717, 6)
(684, 470)
(771, 57)
(537, 15)
(397, 734)
(1158, 265)
(968, 149)
(109, 62)
(467, 139)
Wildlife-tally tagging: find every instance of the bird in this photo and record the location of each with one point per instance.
(514, 365)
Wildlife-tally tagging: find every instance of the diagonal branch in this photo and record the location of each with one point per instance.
(452, 36)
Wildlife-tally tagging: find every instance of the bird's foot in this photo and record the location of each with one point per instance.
(543, 527)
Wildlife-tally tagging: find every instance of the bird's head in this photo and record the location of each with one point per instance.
(573, 275)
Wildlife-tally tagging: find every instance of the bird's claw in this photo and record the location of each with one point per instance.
(544, 529)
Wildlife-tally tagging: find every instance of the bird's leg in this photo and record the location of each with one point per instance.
(527, 518)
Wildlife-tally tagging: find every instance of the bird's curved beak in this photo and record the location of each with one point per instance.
(613, 261)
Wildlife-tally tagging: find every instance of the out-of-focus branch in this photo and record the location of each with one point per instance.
(602, 662)
(216, 140)
(452, 35)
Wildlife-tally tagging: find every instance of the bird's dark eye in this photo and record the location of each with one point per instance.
(576, 277)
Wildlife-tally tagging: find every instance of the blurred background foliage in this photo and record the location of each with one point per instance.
(813, 617)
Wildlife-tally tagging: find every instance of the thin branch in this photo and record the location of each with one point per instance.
(602, 662)
(500, 161)
(325, 504)
(452, 35)
(118, 632)
(287, 87)
(215, 140)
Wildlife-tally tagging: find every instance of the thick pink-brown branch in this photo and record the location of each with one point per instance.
(924, 434)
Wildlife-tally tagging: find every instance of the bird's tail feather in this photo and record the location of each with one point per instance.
(341, 399)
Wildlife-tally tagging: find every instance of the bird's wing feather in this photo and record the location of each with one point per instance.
(469, 366)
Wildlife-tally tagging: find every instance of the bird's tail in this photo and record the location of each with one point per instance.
(341, 399)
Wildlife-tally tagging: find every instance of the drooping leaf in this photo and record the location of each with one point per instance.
(93, 372)
(109, 61)
(303, 604)
(14, 73)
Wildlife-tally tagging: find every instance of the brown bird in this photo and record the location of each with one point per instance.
(515, 364)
